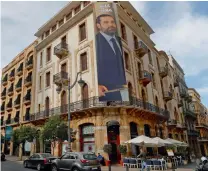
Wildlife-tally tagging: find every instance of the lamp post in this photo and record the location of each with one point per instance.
(66, 85)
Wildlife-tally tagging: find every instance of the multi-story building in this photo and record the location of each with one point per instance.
(66, 43)
(201, 123)
(17, 87)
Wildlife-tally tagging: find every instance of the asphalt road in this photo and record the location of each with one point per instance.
(13, 166)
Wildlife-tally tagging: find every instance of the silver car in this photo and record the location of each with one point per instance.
(76, 161)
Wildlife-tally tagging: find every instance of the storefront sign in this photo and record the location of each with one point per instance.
(8, 133)
(27, 146)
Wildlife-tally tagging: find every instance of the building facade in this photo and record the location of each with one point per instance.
(18, 86)
(158, 103)
(201, 123)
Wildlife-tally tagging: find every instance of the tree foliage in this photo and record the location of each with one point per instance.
(56, 129)
(24, 133)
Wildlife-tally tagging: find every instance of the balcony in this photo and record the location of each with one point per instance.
(172, 123)
(188, 98)
(61, 50)
(140, 49)
(163, 71)
(9, 106)
(18, 86)
(8, 121)
(26, 117)
(167, 95)
(61, 77)
(2, 109)
(29, 64)
(17, 103)
(12, 75)
(181, 126)
(3, 94)
(189, 113)
(145, 78)
(201, 125)
(20, 70)
(183, 93)
(28, 81)
(15, 120)
(193, 133)
(4, 80)
(203, 139)
(176, 82)
(27, 99)
(11, 90)
(180, 103)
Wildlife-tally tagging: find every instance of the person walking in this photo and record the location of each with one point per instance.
(142, 156)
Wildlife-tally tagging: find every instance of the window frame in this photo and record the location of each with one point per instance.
(48, 75)
(47, 54)
(80, 31)
(81, 62)
(123, 34)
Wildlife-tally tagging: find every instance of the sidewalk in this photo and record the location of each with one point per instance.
(15, 158)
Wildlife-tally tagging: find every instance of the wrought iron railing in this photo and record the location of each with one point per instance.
(62, 45)
(5, 78)
(60, 75)
(188, 112)
(140, 45)
(29, 62)
(95, 103)
(27, 97)
(172, 122)
(164, 70)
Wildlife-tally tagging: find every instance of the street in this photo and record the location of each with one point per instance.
(18, 166)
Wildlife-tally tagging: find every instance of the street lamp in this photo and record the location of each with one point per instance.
(65, 84)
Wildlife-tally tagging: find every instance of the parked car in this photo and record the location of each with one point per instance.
(76, 161)
(3, 158)
(39, 161)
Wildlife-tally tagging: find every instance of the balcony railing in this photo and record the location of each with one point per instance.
(141, 49)
(189, 98)
(145, 77)
(60, 77)
(183, 93)
(176, 82)
(95, 103)
(167, 95)
(180, 103)
(203, 139)
(28, 80)
(4, 80)
(61, 50)
(29, 63)
(193, 133)
(20, 70)
(27, 117)
(3, 94)
(163, 71)
(189, 113)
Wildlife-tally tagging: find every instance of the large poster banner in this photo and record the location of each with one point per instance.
(110, 64)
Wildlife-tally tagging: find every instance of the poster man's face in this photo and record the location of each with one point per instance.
(107, 25)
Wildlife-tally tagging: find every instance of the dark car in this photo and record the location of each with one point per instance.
(76, 161)
(39, 161)
(3, 158)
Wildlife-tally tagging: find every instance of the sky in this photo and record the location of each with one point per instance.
(180, 29)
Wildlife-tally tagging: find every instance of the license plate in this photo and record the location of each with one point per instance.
(94, 168)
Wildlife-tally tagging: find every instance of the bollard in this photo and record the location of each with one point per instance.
(109, 167)
(127, 168)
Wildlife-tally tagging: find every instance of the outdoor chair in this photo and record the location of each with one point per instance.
(149, 164)
(164, 164)
(139, 163)
(125, 162)
(132, 163)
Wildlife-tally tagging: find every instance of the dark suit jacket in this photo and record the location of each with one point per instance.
(110, 67)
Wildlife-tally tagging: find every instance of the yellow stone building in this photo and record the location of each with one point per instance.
(158, 105)
(18, 80)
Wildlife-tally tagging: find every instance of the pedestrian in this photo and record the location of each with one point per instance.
(100, 158)
(142, 156)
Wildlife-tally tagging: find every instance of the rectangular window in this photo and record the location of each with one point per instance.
(47, 79)
(83, 61)
(77, 9)
(61, 22)
(82, 31)
(150, 56)
(42, 37)
(139, 70)
(127, 61)
(47, 33)
(38, 107)
(41, 58)
(48, 54)
(40, 84)
(123, 31)
(68, 16)
(135, 42)
(153, 80)
(53, 28)
(86, 3)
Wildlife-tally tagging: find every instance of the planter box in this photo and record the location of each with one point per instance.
(107, 162)
(169, 165)
(185, 162)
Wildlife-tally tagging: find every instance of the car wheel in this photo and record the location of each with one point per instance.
(39, 167)
(75, 169)
(25, 164)
(54, 168)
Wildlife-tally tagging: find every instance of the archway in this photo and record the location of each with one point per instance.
(85, 96)
(47, 106)
(134, 134)
(114, 139)
(63, 102)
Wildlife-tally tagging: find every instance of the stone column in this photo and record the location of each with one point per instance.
(20, 151)
(11, 148)
(41, 145)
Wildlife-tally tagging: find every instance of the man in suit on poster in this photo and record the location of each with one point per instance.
(111, 74)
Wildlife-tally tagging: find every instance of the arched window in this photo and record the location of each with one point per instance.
(147, 130)
(47, 106)
(144, 98)
(63, 102)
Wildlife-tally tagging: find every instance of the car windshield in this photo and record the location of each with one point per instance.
(90, 156)
(46, 155)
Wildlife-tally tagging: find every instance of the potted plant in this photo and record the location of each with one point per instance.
(123, 151)
(107, 148)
